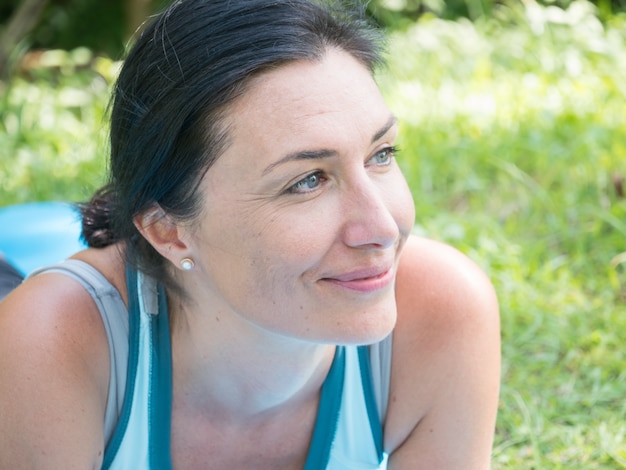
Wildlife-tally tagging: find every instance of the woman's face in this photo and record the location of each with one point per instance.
(306, 211)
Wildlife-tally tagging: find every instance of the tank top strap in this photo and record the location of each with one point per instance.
(380, 365)
(115, 319)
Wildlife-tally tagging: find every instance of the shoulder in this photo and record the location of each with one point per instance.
(54, 373)
(436, 276)
(446, 359)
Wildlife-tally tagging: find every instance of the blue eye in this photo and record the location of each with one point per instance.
(383, 157)
(308, 183)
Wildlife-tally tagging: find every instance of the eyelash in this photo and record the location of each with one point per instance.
(320, 178)
(390, 152)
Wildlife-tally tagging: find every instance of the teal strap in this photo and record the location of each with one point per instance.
(370, 400)
(133, 357)
(160, 388)
(327, 414)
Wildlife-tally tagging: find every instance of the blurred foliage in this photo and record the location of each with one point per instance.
(514, 144)
(53, 128)
(400, 14)
(100, 26)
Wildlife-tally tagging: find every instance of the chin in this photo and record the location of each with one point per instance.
(368, 327)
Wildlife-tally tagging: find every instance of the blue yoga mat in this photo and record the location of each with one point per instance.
(36, 234)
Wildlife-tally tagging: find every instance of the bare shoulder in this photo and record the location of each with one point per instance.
(446, 361)
(54, 373)
(437, 275)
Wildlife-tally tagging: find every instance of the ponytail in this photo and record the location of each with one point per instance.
(97, 230)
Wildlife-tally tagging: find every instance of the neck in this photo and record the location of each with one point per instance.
(231, 369)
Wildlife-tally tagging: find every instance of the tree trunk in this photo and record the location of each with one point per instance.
(21, 23)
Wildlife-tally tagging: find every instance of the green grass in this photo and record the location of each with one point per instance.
(513, 135)
(514, 131)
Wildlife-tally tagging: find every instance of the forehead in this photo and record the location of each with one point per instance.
(307, 97)
(332, 105)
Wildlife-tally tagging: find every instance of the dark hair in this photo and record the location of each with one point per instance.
(179, 77)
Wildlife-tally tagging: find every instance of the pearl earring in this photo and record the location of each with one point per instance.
(187, 264)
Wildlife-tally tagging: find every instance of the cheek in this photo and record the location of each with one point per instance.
(272, 248)
(278, 267)
(408, 208)
(295, 239)
(400, 203)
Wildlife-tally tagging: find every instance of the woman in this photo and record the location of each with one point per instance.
(252, 296)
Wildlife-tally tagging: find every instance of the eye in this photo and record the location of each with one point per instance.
(383, 157)
(307, 184)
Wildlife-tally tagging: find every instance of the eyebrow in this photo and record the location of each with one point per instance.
(326, 153)
(383, 130)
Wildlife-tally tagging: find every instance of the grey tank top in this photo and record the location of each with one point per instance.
(115, 318)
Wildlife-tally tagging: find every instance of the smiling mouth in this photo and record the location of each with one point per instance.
(364, 281)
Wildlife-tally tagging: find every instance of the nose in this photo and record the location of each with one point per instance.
(369, 220)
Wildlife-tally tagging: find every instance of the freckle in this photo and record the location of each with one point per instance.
(217, 318)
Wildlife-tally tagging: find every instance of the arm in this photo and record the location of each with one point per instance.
(54, 374)
(446, 366)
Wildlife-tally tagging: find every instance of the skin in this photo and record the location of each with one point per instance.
(303, 243)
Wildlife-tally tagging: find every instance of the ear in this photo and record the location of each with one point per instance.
(163, 233)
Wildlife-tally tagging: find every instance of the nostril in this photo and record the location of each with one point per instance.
(374, 229)
(375, 210)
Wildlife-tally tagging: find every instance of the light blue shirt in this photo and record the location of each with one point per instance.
(348, 430)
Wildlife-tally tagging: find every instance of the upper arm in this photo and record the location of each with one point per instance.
(446, 365)
(53, 376)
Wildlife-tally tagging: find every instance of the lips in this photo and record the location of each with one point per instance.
(364, 280)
